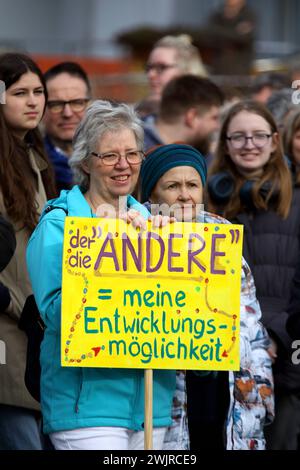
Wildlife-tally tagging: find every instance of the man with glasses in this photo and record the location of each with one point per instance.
(69, 93)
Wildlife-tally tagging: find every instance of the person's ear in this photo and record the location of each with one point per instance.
(225, 147)
(85, 166)
(275, 141)
(190, 117)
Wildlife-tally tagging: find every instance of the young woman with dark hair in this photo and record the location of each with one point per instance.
(26, 182)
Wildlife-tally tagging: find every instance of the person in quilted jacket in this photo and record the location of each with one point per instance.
(225, 409)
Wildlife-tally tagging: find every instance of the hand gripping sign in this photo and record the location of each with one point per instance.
(164, 298)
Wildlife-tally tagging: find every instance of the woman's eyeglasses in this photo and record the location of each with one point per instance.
(133, 157)
(258, 139)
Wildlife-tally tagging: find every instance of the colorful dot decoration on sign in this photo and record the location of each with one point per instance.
(221, 312)
(77, 318)
(217, 229)
(85, 291)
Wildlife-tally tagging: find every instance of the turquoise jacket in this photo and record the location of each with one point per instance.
(74, 397)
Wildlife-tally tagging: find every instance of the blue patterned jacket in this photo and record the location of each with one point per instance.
(251, 388)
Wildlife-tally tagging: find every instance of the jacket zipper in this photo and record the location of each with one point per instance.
(137, 392)
(79, 392)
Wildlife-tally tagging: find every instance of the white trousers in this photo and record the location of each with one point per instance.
(105, 438)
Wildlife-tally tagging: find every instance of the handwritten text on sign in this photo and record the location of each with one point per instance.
(160, 299)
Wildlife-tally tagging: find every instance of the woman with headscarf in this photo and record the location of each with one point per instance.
(174, 176)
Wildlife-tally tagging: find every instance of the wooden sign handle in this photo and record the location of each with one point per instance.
(148, 424)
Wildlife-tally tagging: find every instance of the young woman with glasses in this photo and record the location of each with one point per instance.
(26, 181)
(250, 183)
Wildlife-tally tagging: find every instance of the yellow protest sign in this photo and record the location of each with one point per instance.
(161, 299)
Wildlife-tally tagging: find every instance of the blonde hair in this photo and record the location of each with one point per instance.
(188, 56)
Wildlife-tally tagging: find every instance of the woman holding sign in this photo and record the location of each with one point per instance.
(251, 184)
(93, 408)
(173, 176)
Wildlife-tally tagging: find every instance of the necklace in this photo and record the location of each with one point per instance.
(105, 209)
(91, 203)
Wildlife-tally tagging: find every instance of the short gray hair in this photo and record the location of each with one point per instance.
(100, 117)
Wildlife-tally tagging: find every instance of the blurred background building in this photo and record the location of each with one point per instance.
(94, 33)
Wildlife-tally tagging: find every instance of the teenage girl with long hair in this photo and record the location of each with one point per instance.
(26, 182)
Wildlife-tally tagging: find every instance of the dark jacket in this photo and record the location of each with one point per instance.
(7, 249)
(293, 321)
(272, 249)
(7, 242)
(293, 325)
(60, 162)
(151, 136)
